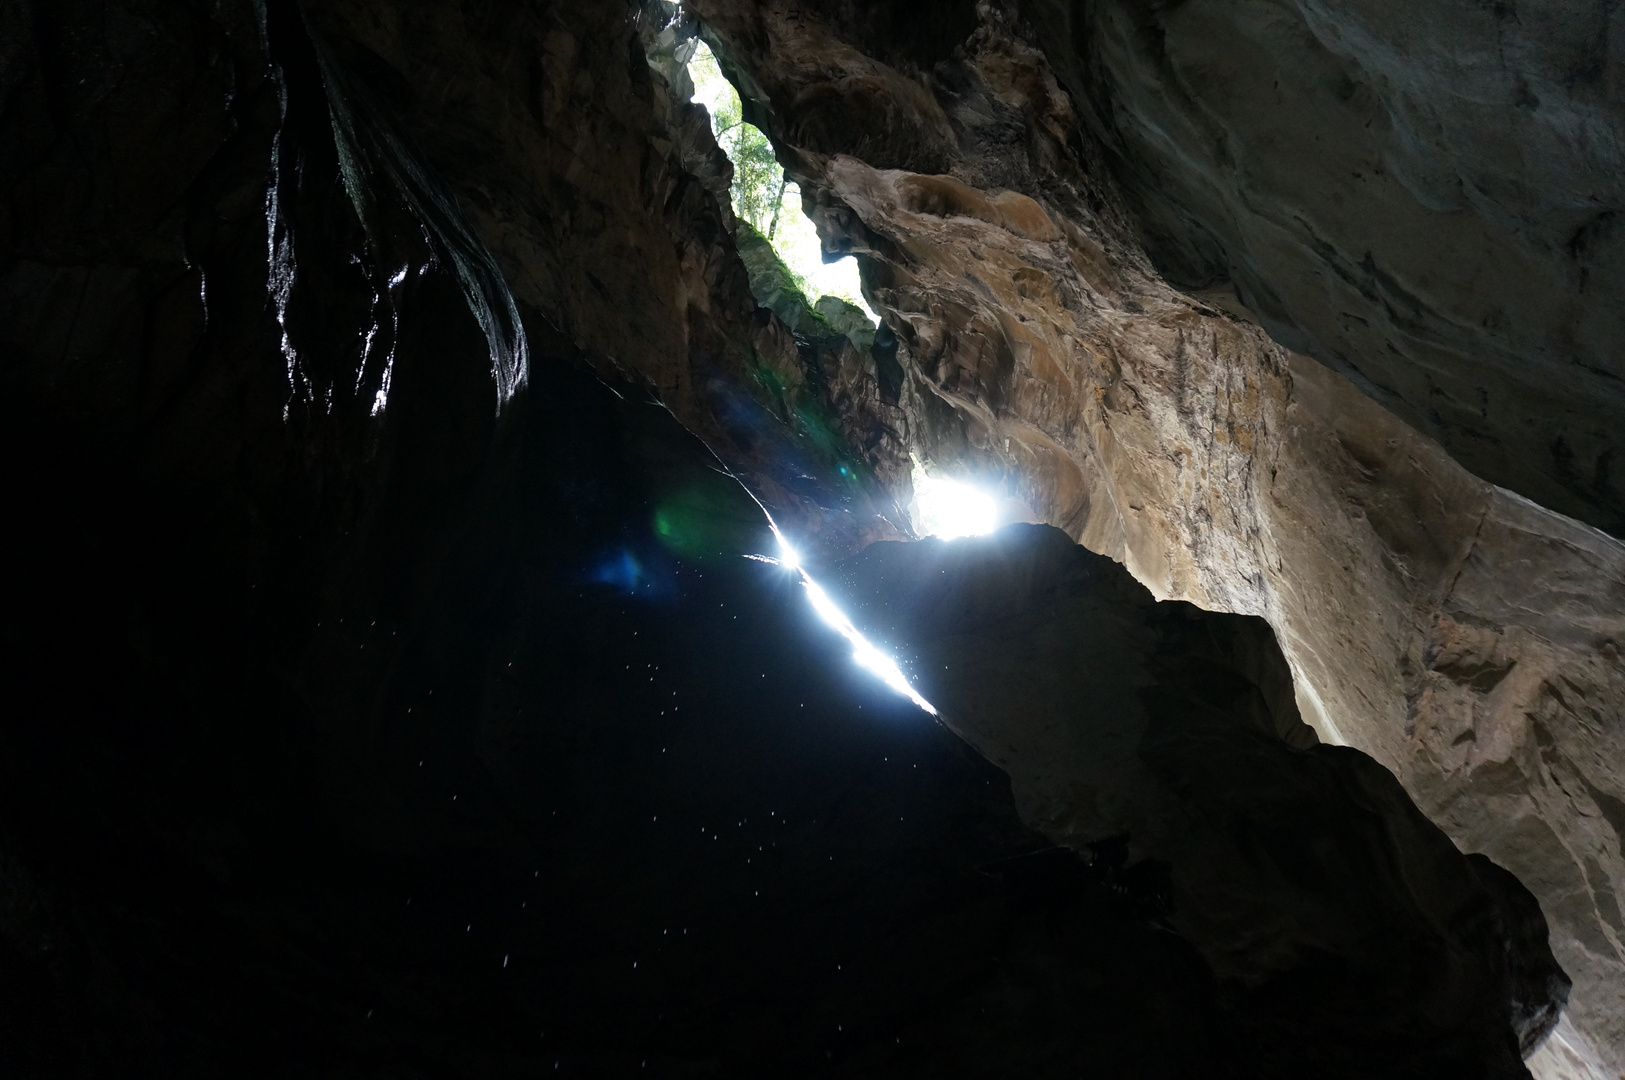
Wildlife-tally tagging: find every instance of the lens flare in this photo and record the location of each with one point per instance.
(863, 651)
(948, 508)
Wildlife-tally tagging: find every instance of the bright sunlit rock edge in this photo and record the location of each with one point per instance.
(944, 508)
(864, 653)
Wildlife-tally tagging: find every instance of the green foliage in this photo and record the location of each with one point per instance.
(759, 185)
(767, 207)
(779, 288)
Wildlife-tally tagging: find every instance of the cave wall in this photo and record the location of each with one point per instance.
(277, 282)
(594, 187)
(320, 752)
(1425, 197)
(1302, 871)
(1463, 635)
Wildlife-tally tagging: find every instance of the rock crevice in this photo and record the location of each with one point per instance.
(1221, 468)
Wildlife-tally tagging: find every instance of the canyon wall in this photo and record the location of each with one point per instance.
(1165, 741)
(1465, 636)
(1424, 196)
(276, 279)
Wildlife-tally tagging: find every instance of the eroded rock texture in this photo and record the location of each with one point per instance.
(1425, 196)
(1218, 466)
(595, 188)
(321, 751)
(295, 304)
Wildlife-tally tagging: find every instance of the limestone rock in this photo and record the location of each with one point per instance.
(271, 271)
(1178, 437)
(1424, 196)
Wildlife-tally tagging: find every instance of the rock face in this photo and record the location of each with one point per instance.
(1302, 871)
(296, 304)
(640, 272)
(1153, 426)
(1424, 196)
(320, 743)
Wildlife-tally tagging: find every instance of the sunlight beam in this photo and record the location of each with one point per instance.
(864, 653)
(948, 508)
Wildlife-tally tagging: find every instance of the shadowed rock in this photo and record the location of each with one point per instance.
(1326, 902)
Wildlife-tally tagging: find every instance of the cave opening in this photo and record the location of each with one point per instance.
(767, 206)
(782, 246)
(764, 199)
(948, 508)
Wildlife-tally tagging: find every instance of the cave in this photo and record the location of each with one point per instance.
(1113, 569)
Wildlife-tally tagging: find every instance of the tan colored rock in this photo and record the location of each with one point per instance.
(1463, 636)
(1422, 194)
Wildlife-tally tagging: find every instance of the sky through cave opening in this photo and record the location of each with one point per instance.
(765, 198)
(764, 195)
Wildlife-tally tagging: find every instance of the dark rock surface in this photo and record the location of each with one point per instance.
(573, 790)
(1046, 357)
(383, 692)
(1326, 903)
(351, 728)
(1426, 196)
